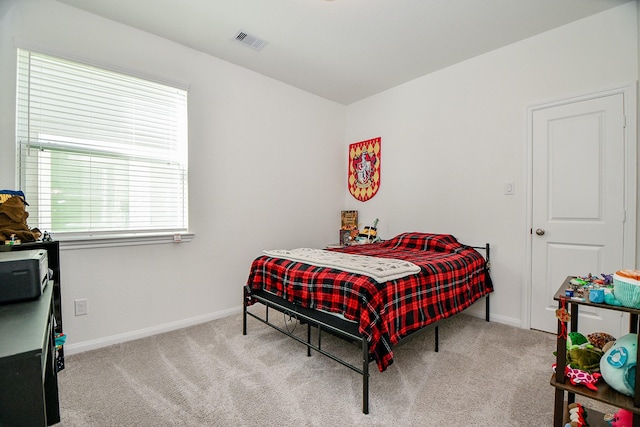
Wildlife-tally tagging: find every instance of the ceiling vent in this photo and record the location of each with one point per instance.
(248, 40)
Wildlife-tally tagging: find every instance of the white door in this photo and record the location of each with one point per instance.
(578, 213)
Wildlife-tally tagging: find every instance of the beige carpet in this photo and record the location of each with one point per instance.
(486, 374)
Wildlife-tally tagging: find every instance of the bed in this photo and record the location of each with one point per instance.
(446, 277)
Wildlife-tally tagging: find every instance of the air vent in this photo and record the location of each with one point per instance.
(250, 41)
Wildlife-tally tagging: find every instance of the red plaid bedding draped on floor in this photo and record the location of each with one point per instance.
(452, 277)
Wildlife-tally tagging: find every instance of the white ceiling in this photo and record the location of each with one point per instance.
(346, 50)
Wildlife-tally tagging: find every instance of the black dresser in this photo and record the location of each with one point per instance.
(28, 373)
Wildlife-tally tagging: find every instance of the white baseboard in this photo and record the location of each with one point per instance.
(147, 332)
(167, 327)
(478, 311)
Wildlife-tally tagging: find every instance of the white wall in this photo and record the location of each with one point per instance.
(268, 162)
(265, 172)
(451, 139)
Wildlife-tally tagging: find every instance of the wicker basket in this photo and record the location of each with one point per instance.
(626, 287)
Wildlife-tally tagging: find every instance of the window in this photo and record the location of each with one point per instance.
(100, 152)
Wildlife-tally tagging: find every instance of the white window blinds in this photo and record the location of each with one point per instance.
(99, 151)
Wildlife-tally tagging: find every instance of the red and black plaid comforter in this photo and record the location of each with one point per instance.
(452, 277)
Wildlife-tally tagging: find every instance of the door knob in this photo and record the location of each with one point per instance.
(540, 231)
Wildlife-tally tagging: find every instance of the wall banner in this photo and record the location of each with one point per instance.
(364, 168)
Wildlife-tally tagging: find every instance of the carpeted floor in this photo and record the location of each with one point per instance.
(485, 374)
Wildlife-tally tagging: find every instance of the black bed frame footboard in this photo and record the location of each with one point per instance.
(327, 322)
(323, 321)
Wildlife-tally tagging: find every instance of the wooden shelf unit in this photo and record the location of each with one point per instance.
(604, 394)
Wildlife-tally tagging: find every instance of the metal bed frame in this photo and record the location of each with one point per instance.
(330, 323)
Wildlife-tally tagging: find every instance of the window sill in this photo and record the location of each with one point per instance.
(136, 239)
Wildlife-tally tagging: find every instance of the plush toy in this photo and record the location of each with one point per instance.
(577, 416)
(611, 300)
(575, 339)
(584, 358)
(618, 364)
(582, 354)
(577, 377)
(622, 418)
(600, 340)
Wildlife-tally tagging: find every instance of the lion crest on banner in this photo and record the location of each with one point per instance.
(364, 168)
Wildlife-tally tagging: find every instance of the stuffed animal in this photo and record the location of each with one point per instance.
(584, 358)
(622, 418)
(618, 364)
(601, 340)
(582, 354)
(610, 299)
(577, 377)
(13, 221)
(575, 339)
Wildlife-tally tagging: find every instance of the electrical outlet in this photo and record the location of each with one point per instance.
(81, 306)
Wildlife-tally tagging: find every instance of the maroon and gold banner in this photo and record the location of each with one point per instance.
(364, 168)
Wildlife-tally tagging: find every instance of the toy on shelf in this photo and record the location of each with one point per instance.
(610, 299)
(619, 289)
(601, 340)
(13, 219)
(582, 354)
(60, 339)
(618, 364)
(12, 241)
(579, 377)
(626, 287)
(589, 279)
(622, 418)
(577, 416)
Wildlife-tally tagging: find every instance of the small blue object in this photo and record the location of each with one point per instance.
(568, 293)
(596, 295)
(60, 339)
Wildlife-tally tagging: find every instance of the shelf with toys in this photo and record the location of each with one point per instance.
(613, 380)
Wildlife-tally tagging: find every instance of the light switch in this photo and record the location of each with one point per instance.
(509, 189)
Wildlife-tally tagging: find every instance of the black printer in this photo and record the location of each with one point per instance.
(23, 275)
